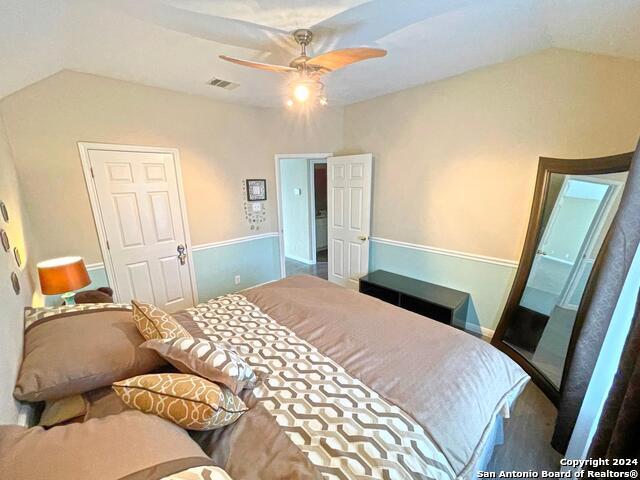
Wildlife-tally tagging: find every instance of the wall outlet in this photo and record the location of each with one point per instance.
(236, 279)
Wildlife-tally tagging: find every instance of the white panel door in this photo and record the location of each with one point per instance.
(142, 218)
(349, 222)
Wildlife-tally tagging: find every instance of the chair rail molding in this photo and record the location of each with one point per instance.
(231, 241)
(451, 253)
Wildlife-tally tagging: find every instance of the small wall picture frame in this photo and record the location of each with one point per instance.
(5, 240)
(4, 212)
(15, 283)
(256, 190)
(16, 254)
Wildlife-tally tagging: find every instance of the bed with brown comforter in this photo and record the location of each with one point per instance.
(352, 387)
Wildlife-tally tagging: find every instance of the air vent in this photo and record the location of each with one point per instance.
(227, 85)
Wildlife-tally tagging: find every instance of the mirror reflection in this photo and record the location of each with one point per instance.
(577, 214)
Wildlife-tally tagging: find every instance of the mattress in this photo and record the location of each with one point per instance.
(352, 387)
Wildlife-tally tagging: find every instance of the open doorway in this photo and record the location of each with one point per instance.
(319, 194)
(302, 193)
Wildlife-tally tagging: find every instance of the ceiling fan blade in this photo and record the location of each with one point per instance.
(383, 18)
(261, 66)
(223, 30)
(336, 59)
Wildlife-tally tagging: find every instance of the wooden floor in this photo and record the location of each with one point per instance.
(527, 435)
(320, 269)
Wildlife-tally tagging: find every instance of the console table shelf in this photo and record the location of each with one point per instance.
(440, 303)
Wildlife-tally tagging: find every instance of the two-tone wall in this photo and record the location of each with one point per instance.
(220, 145)
(454, 167)
(455, 162)
(255, 259)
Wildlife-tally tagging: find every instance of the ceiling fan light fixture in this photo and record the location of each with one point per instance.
(301, 92)
(307, 89)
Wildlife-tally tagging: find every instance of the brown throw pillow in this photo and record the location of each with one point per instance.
(206, 359)
(63, 410)
(188, 401)
(105, 449)
(154, 323)
(76, 351)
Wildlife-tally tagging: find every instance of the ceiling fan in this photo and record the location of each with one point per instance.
(306, 71)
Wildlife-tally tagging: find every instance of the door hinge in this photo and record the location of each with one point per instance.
(91, 170)
(108, 246)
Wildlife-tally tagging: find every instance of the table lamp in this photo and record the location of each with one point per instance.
(62, 276)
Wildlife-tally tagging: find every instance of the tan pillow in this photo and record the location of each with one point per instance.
(76, 351)
(154, 323)
(60, 411)
(113, 447)
(189, 401)
(206, 359)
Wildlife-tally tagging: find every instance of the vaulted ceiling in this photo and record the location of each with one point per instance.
(175, 43)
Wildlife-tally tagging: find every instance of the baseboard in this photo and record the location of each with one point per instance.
(258, 285)
(485, 332)
(301, 260)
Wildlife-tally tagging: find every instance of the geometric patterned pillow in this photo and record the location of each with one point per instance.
(188, 401)
(206, 359)
(200, 473)
(154, 323)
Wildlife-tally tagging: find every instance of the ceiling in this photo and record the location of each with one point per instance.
(175, 44)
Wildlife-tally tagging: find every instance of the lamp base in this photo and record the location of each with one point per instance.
(69, 298)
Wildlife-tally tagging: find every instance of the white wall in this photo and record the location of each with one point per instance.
(294, 174)
(12, 305)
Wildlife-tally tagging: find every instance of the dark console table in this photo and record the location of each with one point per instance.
(434, 301)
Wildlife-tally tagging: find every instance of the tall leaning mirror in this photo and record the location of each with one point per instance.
(573, 207)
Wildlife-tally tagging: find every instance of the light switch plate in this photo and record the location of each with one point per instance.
(297, 191)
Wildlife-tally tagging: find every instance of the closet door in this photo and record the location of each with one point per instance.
(139, 209)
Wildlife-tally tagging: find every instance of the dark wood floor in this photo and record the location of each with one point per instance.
(527, 435)
(320, 269)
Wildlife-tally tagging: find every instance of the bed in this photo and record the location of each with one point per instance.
(354, 387)
(348, 386)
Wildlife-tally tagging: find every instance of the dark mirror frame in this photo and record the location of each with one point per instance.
(547, 166)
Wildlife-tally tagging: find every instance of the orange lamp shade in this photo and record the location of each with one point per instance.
(62, 275)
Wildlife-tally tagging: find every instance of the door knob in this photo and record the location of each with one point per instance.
(363, 238)
(182, 256)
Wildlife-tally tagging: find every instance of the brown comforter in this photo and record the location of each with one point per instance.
(451, 383)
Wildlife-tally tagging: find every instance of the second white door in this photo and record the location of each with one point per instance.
(142, 217)
(349, 205)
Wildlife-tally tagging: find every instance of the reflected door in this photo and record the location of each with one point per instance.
(577, 216)
(139, 205)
